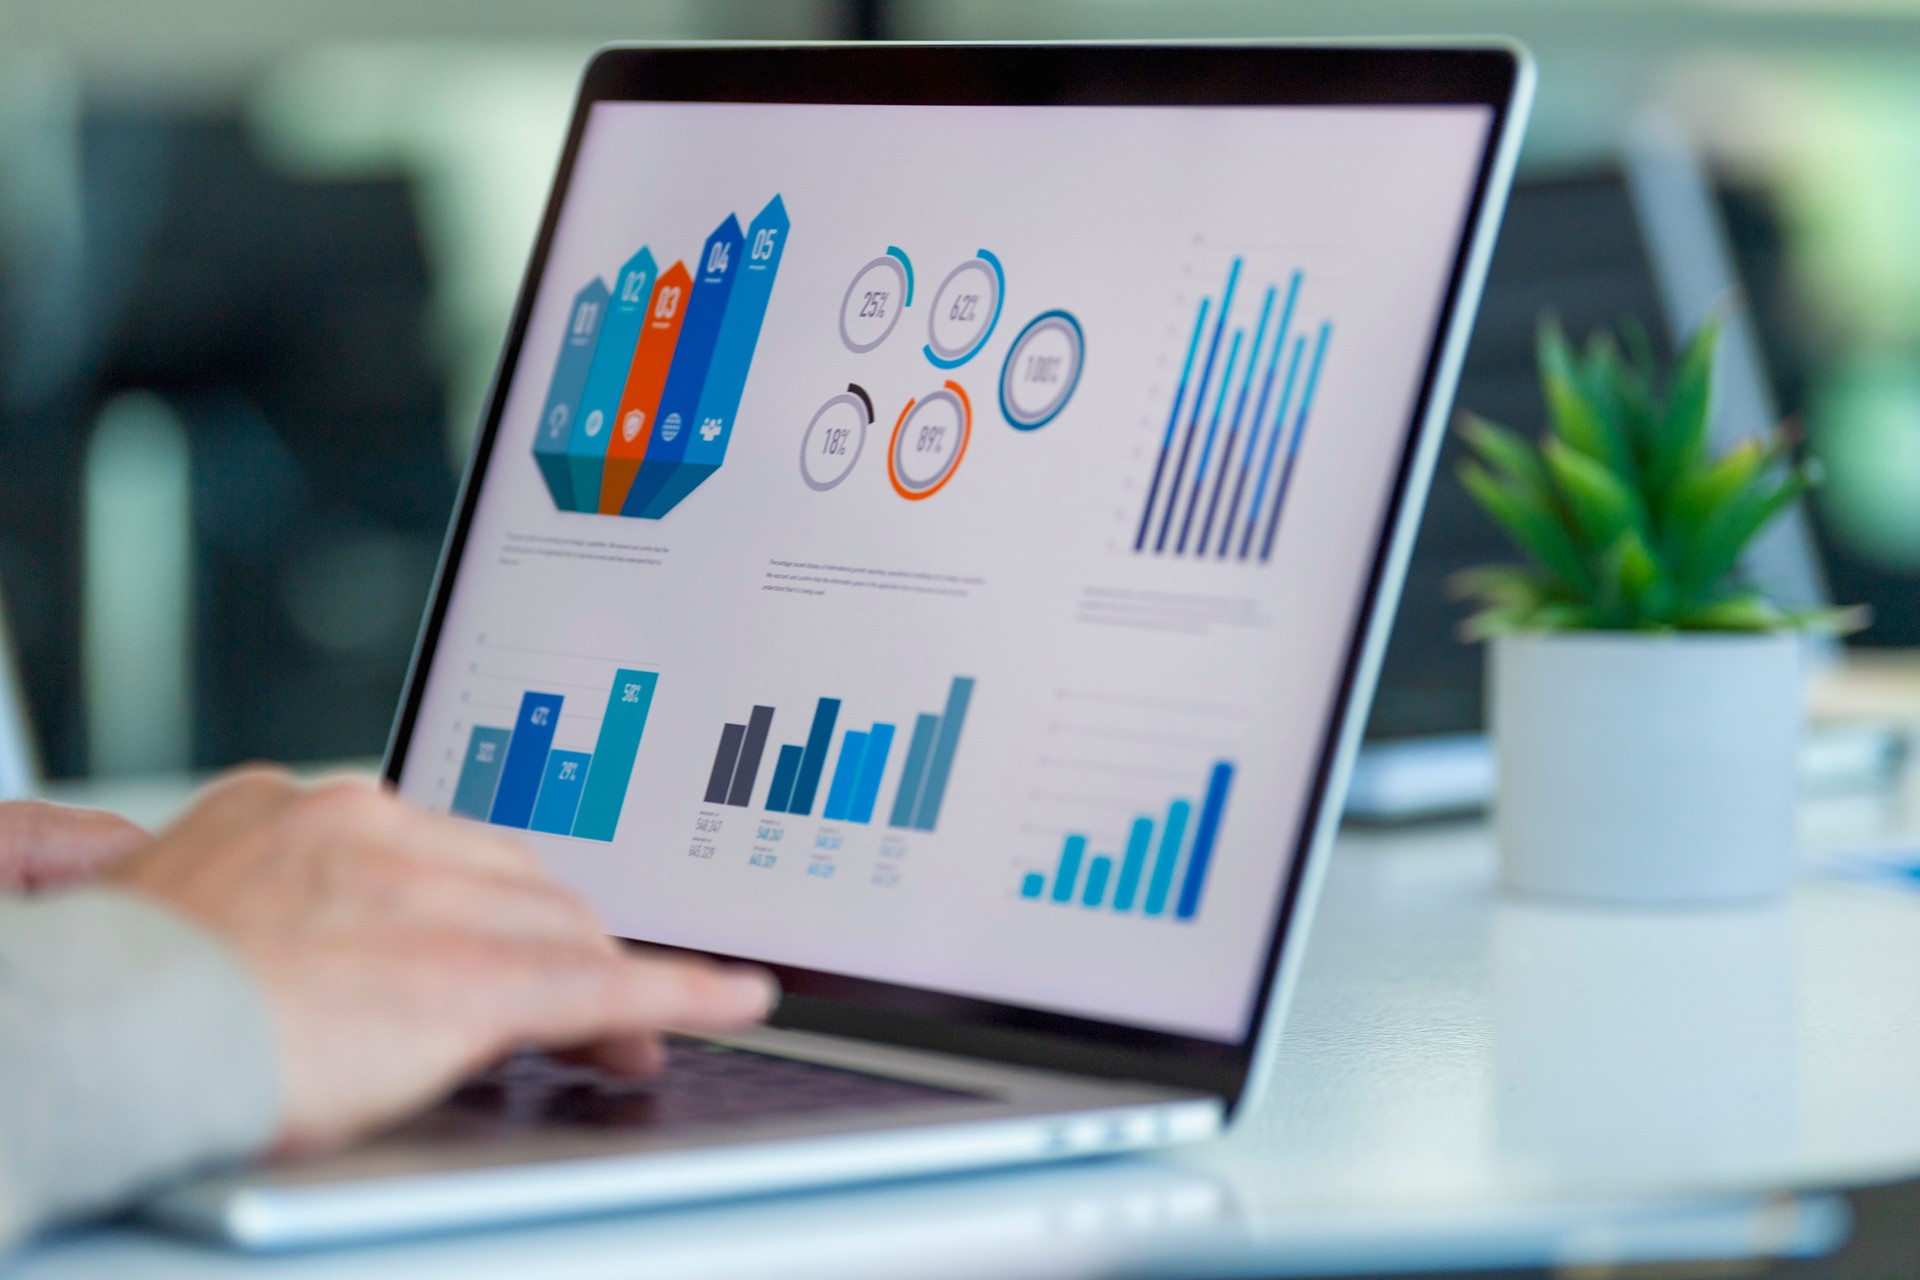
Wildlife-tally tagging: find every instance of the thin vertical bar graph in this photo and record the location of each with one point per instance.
(1293, 442)
(1199, 403)
(1182, 854)
(1173, 425)
(1213, 432)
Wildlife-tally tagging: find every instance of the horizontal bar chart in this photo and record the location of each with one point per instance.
(641, 403)
(800, 781)
(1241, 407)
(517, 778)
(1176, 881)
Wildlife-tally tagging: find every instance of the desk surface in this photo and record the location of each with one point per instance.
(1448, 1051)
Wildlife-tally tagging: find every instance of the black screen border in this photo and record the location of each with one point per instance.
(1157, 75)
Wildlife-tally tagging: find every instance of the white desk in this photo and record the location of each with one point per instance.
(1450, 1056)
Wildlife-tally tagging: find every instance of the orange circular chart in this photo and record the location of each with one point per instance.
(929, 440)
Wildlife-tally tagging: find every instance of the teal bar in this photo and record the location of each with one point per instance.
(1033, 886)
(557, 418)
(614, 753)
(940, 767)
(1097, 874)
(1069, 870)
(785, 770)
(1176, 830)
(918, 749)
(846, 771)
(607, 378)
(1139, 836)
(560, 784)
(480, 773)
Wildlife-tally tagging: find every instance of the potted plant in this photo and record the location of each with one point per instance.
(1645, 699)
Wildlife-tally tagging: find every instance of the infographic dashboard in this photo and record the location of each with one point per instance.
(922, 543)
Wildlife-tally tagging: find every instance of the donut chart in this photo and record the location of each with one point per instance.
(930, 439)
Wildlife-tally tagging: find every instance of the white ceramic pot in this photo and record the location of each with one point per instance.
(1651, 769)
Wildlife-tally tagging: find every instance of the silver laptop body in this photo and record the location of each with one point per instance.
(1074, 926)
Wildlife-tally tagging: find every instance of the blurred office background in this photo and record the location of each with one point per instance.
(256, 261)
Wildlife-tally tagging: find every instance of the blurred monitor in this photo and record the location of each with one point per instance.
(1631, 241)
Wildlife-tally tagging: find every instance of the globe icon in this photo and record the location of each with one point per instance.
(593, 423)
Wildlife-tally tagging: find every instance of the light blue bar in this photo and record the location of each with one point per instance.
(1199, 403)
(1097, 872)
(846, 772)
(1069, 869)
(1171, 835)
(1139, 837)
(480, 773)
(1034, 885)
(607, 378)
(940, 767)
(560, 787)
(1173, 425)
(785, 770)
(919, 747)
(1293, 445)
(614, 753)
(873, 765)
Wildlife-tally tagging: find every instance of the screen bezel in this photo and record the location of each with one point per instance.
(1078, 75)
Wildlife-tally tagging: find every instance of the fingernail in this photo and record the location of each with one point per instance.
(757, 985)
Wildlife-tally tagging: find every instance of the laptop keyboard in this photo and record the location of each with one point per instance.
(703, 1085)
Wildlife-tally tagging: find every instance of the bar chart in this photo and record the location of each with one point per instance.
(1240, 409)
(644, 392)
(799, 780)
(1161, 870)
(516, 777)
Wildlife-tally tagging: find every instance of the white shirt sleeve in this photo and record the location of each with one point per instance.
(134, 1047)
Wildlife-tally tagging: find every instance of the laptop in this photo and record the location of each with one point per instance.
(933, 534)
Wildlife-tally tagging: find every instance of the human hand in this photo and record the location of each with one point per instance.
(46, 845)
(401, 951)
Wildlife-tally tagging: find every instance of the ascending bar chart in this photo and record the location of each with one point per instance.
(1240, 409)
(800, 782)
(1160, 871)
(641, 403)
(516, 777)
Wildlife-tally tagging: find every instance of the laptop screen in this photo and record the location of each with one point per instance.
(924, 544)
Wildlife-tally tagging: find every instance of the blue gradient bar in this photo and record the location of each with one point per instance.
(1139, 837)
(563, 393)
(1173, 424)
(607, 378)
(1097, 873)
(1069, 870)
(873, 765)
(674, 422)
(1213, 432)
(1171, 835)
(1259, 416)
(1233, 429)
(480, 772)
(1273, 447)
(846, 773)
(814, 762)
(1199, 403)
(1033, 885)
(560, 787)
(940, 767)
(712, 424)
(919, 748)
(1203, 837)
(785, 770)
(526, 759)
(614, 753)
(1293, 444)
